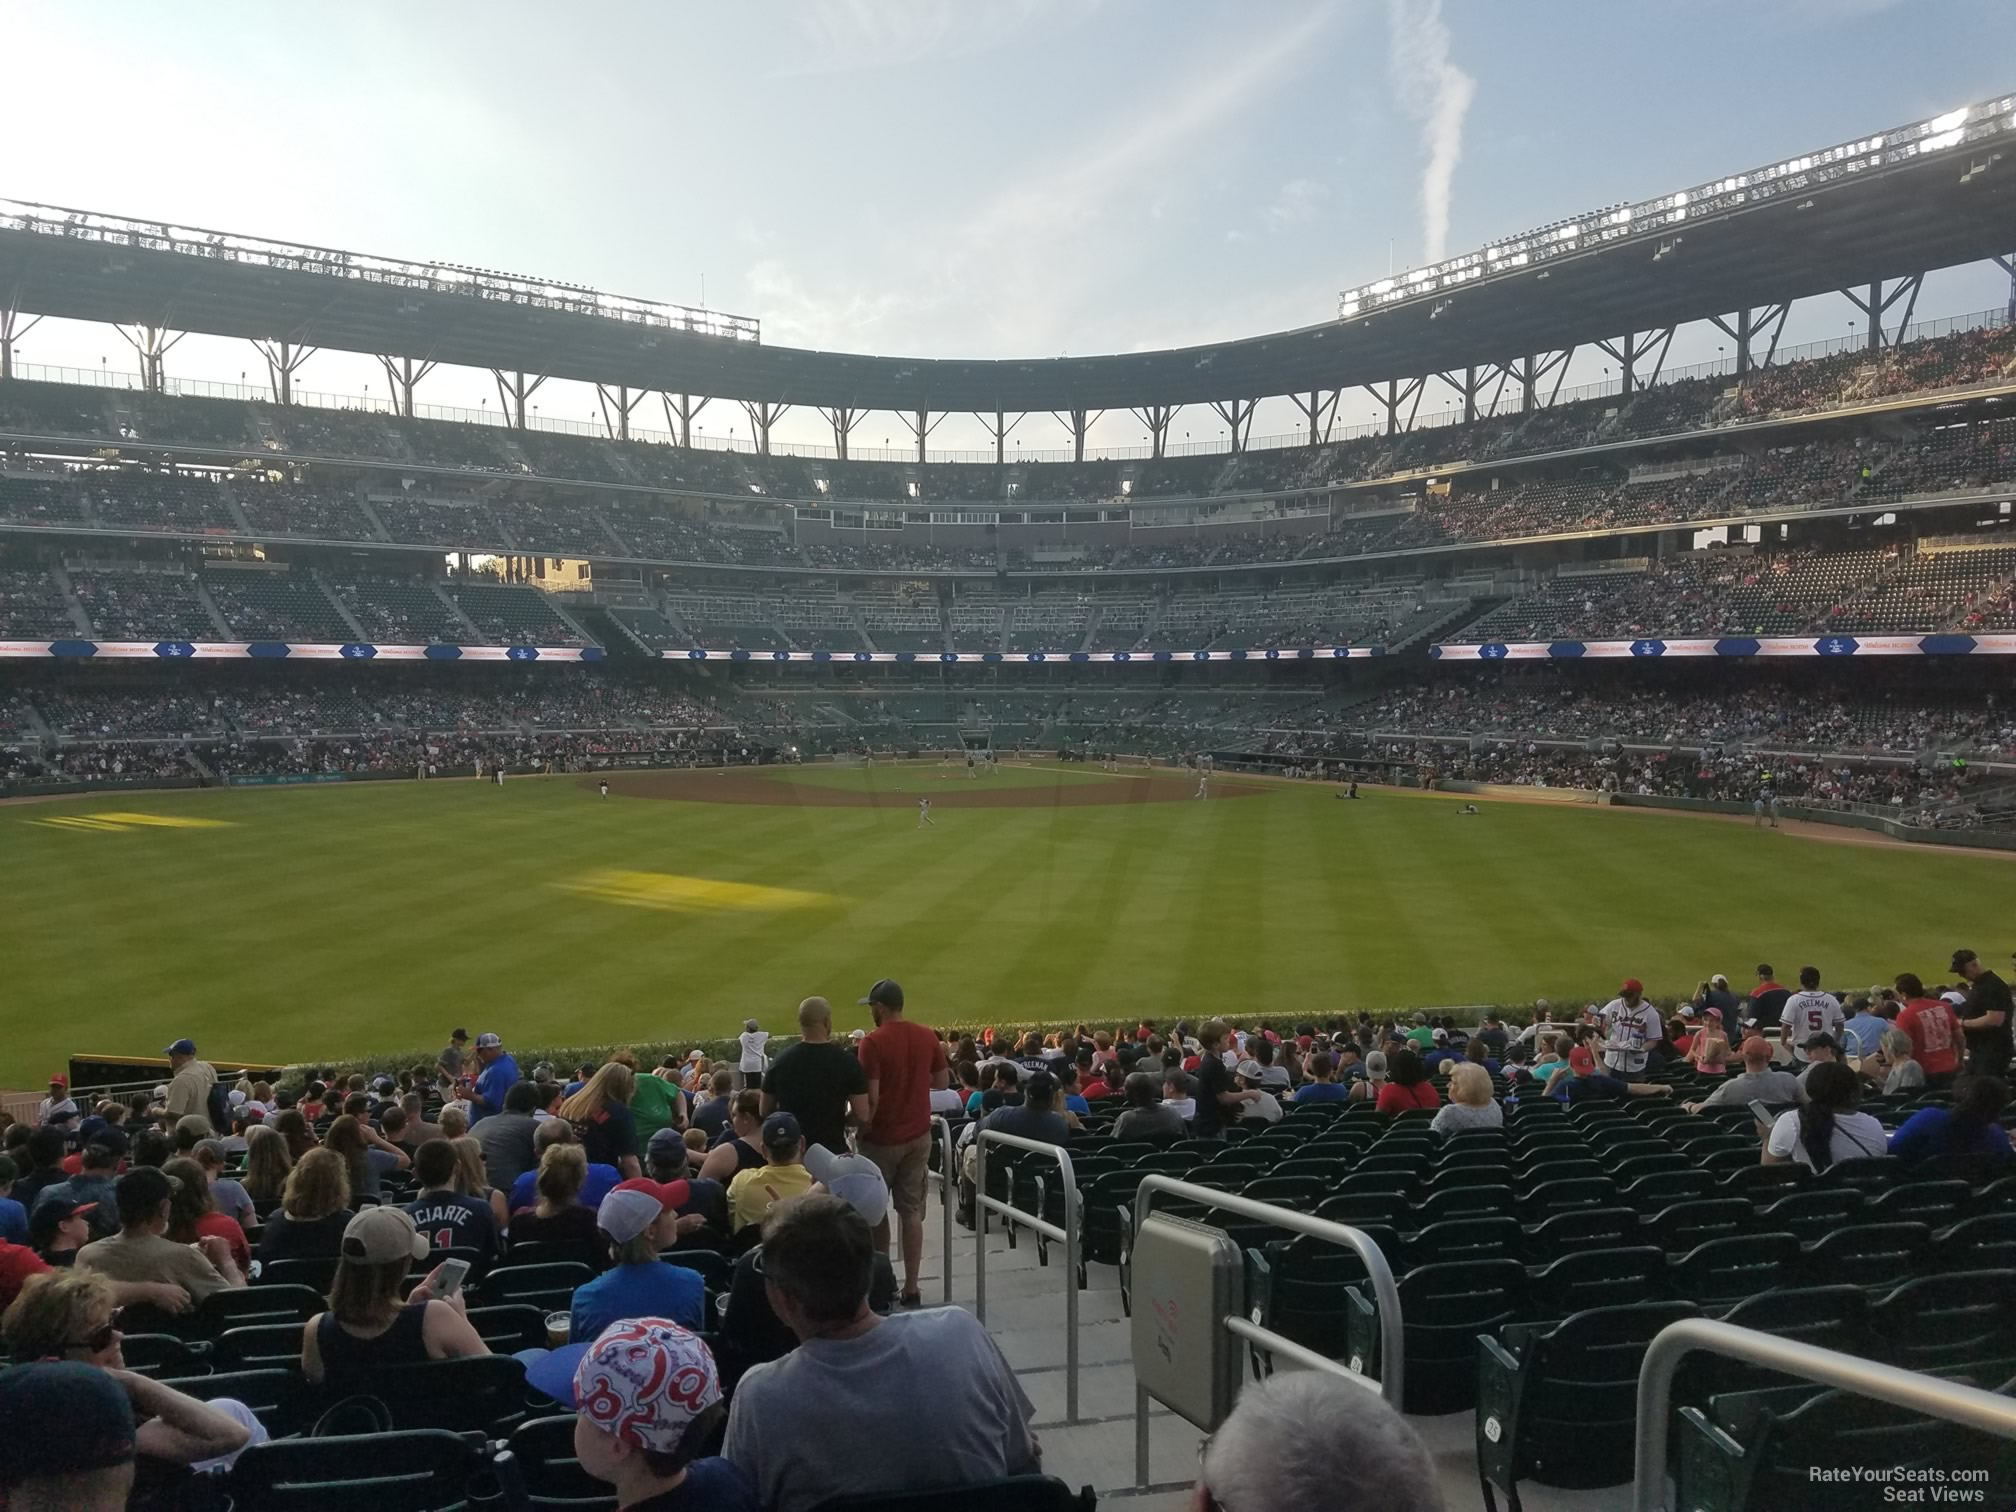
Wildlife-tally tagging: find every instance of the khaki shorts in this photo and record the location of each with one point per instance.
(906, 1167)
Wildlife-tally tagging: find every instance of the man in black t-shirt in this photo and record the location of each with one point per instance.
(1218, 1094)
(1986, 1020)
(817, 1081)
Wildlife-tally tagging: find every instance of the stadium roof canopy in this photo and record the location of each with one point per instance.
(1900, 202)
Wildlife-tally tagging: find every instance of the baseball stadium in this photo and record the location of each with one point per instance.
(1262, 770)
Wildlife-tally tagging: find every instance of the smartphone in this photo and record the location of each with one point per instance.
(451, 1276)
(1762, 1114)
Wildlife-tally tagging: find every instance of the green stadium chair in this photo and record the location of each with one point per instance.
(1594, 1277)
(1550, 1197)
(1484, 1238)
(585, 1252)
(1872, 1176)
(1812, 1214)
(1299, 1192)
(1760, 1451)
(1556, 1402)
(1462, 1178)
(716, 1269)
(1444, 1202)
(1682, 1226)
(388, 1472)
(1761, 1183)
(1984, 1242)
(260, 1346)
(509, 1327)
(317, 1275)
(1298, 1288)
(1736, 1266)
(1648, 1194)
(1630, 1167)
(1019, 1493)
(1867, 1254)
(273, 1394)
(484, 1394)
(1443, 1308)
(549, 1286)
(163, 1355)
(1329, 1172)
(1578, 1229)
(1959, 1320)
(1936, 1203)
(553, 1478)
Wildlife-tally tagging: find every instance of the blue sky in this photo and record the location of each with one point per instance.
(1012, 177)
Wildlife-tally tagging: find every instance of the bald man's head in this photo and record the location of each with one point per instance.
(815, 1018)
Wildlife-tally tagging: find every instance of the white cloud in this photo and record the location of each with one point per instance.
(1437, 94)
(1298, 203)
(1014, 273)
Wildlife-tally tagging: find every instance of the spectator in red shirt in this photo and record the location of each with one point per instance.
(193, 1215)
(1934, 1031)
(1409, 1086)
(904, 1063)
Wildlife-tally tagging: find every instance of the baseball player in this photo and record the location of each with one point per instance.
(924, 819)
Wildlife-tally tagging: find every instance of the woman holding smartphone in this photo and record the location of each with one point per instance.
(367, 1326)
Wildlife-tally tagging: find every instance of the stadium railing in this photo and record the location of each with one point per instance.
(1391, 1349)
(948, 1188)
(1065, 1234)
(1925, 1395)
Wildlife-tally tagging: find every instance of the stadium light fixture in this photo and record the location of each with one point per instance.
(1970, 125)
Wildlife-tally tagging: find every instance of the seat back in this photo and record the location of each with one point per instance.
(1812, 1214)
(1984, 1242)
(1015, 1493)
(164, 1355)
(509, 1327)
(1684, 1225)
(1948, 1322)
(553, 1476)
(1581, 1229)
(387, 1472)
(463, 1396)
(317, 1274)
(260, 1346)
(1869, 1254)
(1936, 1203)
(1590, 1278)
(1737, 1266)
(272, 1394)
(549, 1285)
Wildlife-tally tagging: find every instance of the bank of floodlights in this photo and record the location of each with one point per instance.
(1797, 175)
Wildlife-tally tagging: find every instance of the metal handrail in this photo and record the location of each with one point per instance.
(947, 1194)
(1967, 1405)
(1067, 1235)
(1392, 1345)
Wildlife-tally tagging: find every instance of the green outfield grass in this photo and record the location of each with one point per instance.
(356, 920)
(929, 778)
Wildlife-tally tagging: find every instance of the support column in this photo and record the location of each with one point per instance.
(11, 331)
(1393, 396)
(1319, 411)
(920, 425)
(1750, 325)
(1467, 385)
(403, 375)
(513, 389)
(2008, 266)
(843, 418)
(1875, 307)
(1238, 417)
(999, 428)
(1533, 370)
(762, 415)
(283, 361)
(1157, 418)
(153, 345)
(679, 417)
(1078, 421)
(617, 405)
(1633, 348)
